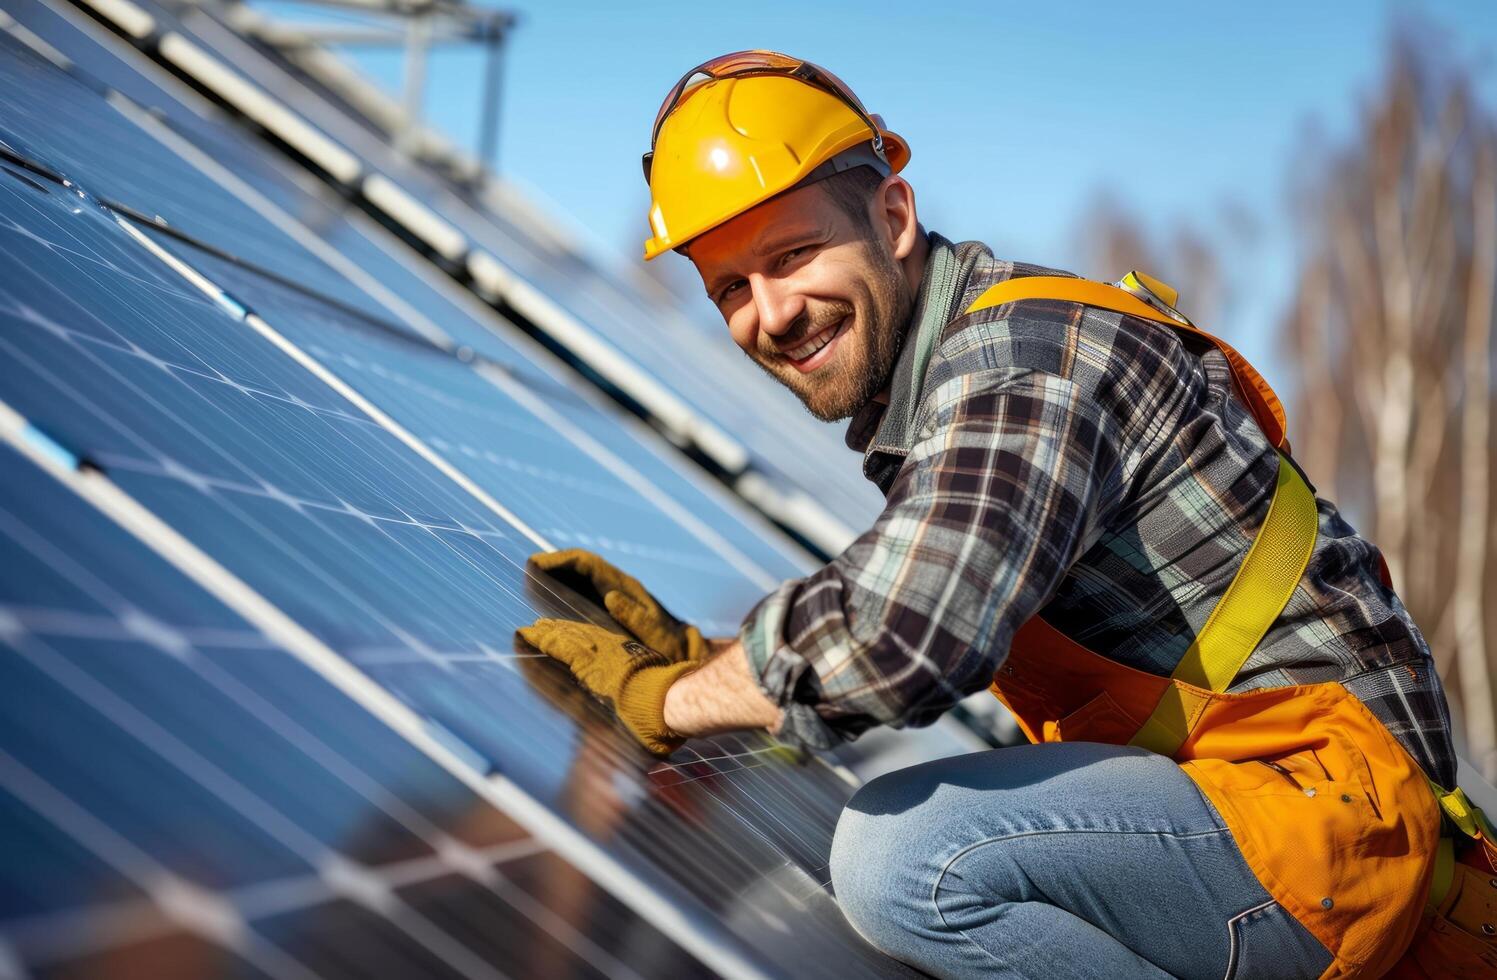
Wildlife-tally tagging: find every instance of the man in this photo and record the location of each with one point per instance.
(1076, 487)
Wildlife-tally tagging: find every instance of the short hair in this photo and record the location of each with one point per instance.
(852, 192)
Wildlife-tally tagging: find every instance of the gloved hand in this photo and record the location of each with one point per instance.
(628, 602)
(630, 676)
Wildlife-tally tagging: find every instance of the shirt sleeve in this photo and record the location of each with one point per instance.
(1008, 482)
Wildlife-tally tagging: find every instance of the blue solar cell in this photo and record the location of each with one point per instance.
(53, 707)
(45, 872)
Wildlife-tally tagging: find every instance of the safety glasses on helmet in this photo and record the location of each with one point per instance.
(743, 63)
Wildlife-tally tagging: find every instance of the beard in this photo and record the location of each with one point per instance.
(867, 348)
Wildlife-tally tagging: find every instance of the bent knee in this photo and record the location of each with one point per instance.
(883, 871)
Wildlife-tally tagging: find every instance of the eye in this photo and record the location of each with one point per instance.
(791, 255)
(730, 290)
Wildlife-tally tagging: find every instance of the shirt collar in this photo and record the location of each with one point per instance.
(881, 430)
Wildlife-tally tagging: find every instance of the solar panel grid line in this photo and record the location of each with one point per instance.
(613, 748)
(502, 377)
(448, 242)
(257, 900)
(162, 129)
(201, 914)
(708, 537)
(273, 897)
(610, 461)
(409, 317)
(498, 378)
(500, 285)
(442, 445)
(158, 634)
(180, 644)
(692, 933)
(360, 885)
(82, 156)
(256, 323)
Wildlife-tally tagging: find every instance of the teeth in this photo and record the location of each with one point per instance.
(813, 345)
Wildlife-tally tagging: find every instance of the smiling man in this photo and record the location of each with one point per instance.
(1091, 506)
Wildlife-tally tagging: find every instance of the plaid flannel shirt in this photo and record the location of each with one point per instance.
(1046, 457)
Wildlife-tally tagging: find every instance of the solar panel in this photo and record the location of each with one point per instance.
(503, 433)
(416, 294)
(410, 300)
(103, 150)
(181, 798)
(224, 197)
(368, 499)
(734, 413)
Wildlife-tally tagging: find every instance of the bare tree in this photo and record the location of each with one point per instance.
(1392, 331)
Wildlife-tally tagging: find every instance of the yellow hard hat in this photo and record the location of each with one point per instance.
(742, 128)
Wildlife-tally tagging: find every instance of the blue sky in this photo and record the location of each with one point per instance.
(1018, 114)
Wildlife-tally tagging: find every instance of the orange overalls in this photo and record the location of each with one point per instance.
(1334, 817)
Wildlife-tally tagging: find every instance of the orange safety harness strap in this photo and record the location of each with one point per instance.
(1251, 387)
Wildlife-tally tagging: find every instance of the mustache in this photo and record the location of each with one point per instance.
(810, 323)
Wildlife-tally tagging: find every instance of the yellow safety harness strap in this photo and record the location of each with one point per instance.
(1467, 816)
(1259, 591)
(1269, 572)
(1469, 821)
(1444, 876)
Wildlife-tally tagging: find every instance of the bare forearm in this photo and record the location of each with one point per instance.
(721, 697)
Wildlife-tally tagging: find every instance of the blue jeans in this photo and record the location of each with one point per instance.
(1067, 859)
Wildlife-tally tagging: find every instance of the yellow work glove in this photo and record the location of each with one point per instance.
(629, 603)
(630, 676)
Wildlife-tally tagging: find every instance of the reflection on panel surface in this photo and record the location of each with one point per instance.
(301, 834)
(181, 798)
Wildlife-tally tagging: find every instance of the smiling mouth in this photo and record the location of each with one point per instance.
(800, 356)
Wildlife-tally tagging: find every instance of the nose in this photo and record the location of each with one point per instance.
(776, 303)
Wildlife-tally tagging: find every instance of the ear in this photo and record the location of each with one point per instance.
(894, 215)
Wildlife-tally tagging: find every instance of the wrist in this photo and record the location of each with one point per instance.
(642, 706)
(672, 707)
(720, 696)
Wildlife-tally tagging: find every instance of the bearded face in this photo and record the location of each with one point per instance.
(812, 295)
